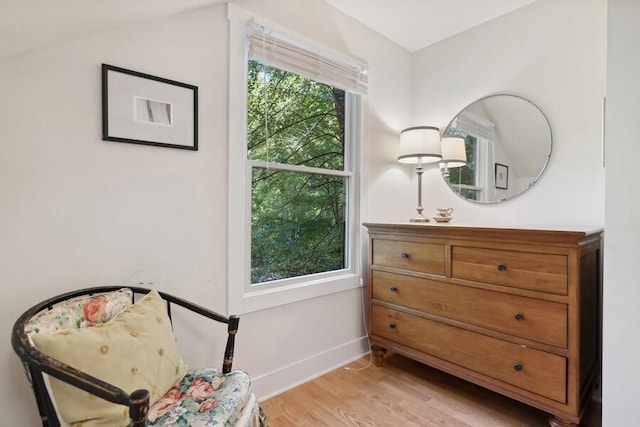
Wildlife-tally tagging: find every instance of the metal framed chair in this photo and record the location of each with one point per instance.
(46, 336)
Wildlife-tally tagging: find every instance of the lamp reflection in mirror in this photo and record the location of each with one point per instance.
(419, 145)
(453, 154)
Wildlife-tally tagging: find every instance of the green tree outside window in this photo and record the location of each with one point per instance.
(298, 219)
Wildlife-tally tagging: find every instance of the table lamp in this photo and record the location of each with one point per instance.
(419, 145)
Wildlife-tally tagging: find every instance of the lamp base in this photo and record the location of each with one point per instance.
(419, 218)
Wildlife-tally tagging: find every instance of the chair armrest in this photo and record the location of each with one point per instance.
(188, 305)
(41, 362)
(232, 322)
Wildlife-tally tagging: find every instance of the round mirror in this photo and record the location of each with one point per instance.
(507, 142)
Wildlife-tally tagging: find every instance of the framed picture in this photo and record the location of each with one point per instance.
(502, 176)
(140, 108)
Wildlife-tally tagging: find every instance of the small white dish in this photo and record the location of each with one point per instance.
(442, 218)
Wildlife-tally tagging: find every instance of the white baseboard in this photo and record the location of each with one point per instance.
(302, 371)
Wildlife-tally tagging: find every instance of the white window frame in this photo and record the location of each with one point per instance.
(483, 178)
(483, 130)
(483, 175)
(242, 296)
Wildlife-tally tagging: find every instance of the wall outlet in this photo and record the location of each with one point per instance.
(141, 279)
(146, 284)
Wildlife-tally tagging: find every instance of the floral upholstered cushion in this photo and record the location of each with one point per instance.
(203, 398)
(80, 312)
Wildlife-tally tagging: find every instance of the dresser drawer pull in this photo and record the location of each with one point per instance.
(518, 317)
(392, 325)
(393, 289)
(502, 267)
(404, 255)
(517, 367)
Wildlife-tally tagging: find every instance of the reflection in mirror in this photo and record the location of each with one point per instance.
(507, 143)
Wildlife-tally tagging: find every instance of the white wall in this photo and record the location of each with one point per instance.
(552, 53)
(77, 211)
(621, 376)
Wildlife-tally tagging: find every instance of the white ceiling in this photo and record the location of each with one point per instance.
(32, 24)
(415, 24)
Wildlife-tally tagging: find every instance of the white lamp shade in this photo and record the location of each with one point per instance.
(420, 144)
(454, 154)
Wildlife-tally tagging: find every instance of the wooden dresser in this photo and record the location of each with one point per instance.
(514, 310)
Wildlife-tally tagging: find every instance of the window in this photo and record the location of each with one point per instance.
(473, 180)
(294, 114)
(299, 183)
(467, 179)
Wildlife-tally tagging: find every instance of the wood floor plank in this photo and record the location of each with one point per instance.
(403, 393)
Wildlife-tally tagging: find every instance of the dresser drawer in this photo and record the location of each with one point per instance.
(527, 270)
(533, 370)
(541, 321)
(422, 257)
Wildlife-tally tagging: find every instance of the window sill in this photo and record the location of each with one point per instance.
(261, 299)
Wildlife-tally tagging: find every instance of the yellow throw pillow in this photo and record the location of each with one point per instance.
(134, 350)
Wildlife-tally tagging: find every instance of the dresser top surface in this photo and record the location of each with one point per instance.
(585, 230)
(542, 234)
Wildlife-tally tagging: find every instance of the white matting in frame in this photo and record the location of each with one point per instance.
(502, 176)
(140, 108)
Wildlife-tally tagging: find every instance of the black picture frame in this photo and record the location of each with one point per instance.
(139, 108)
(502, 176)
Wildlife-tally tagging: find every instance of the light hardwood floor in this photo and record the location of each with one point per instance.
(401, 393)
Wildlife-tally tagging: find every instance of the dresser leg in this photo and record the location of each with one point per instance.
(378, 354)
(559, 422)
